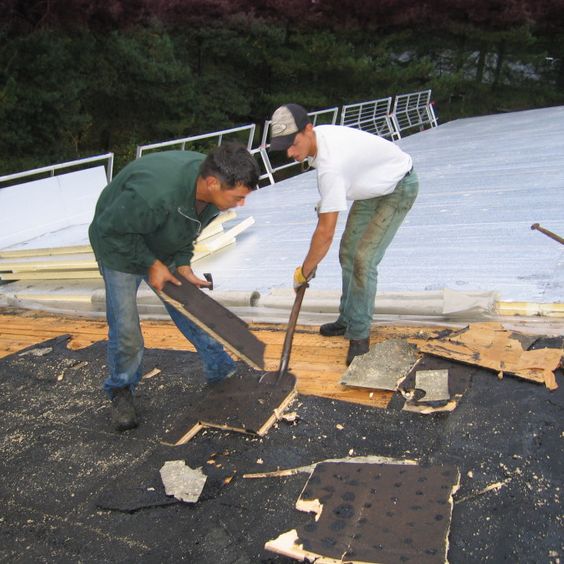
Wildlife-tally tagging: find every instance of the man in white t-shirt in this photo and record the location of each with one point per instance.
(378, 177)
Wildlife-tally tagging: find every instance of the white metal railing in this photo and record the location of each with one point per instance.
(268, 174)
(109, 157)
(372, 116)
(413, 110)
(409, 111)
(327, 116)
(214, 135)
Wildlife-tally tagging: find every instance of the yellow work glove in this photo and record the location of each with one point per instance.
(300, 279)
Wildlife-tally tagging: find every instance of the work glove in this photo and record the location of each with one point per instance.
(300, 279)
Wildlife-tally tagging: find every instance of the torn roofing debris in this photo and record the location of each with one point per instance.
(490, 345)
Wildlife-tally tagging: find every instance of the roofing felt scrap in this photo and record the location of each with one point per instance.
(383, 366)
(181, 481)
(491, 346)
(248, 402)
(373, 513)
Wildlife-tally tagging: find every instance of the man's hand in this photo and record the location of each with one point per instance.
(158, 275)
(300, 278)
(188, 273)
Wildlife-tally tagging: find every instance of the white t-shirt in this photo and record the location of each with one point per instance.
(355, 165)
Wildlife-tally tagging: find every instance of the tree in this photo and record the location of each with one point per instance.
(40, 94)
(139, 90)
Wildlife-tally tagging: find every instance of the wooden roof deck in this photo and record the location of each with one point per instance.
(317, 362)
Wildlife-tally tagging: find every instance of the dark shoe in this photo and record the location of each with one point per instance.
(124, 416)
(215, 381)
(332, 329)
(356, 348)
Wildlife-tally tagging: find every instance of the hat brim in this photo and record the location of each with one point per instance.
(282, 142)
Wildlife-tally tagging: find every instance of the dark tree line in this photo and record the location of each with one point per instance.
(79, 77)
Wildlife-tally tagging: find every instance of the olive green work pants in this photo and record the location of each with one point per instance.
(370, 228)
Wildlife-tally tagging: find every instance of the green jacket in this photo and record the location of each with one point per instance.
(148, 212)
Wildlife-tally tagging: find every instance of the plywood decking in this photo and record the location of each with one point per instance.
(317, 362)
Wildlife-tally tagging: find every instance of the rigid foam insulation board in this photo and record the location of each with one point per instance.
(216, 226)
(80, 261)
(45, 252)
(228, 237)
(373, 513)
(18, 268)
(31, 254)
(73, 271)
(52, 275)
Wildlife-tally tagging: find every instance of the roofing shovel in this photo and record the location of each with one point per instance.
(287, 348)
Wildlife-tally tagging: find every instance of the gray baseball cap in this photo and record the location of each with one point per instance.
(287, 121)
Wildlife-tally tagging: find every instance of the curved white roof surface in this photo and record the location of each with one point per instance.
(483, 182)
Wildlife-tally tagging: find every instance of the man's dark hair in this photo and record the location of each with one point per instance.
(232, 164)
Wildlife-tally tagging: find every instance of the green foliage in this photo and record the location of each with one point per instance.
(40, 94)
(181, 68)
(139, 89)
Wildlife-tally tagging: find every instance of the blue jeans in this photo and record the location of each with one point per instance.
(371, 226)
(125, 340)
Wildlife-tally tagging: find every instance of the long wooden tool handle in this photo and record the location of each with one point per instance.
(548, 233)
(287, 348)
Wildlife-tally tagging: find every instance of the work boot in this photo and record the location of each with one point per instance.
(215, 381)
(334, 329)
(124, 416)
(356, 348)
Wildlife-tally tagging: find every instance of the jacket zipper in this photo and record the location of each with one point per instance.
(191, 219)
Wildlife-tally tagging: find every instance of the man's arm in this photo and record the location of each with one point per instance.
(320, 241)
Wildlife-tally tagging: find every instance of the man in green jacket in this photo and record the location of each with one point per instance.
(144, 228)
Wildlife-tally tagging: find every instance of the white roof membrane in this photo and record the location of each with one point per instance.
(483, 182)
